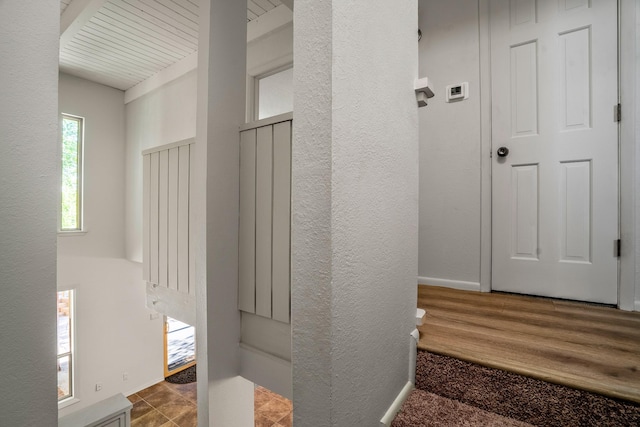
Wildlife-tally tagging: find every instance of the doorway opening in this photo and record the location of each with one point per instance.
(179, 346)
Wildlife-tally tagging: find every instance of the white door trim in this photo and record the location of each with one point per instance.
(485, 144)
(629, 18)
(629, 139)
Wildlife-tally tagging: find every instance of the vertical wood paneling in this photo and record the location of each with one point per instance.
(247, 228)
(524, 90)
(183, 218)
(522, 12)
(576, 191)
(264, 197)
(192, 219)
(146, 179)
(281, 220)
(153, 216)
(163, 220)
(524, 212)
(575, 79)
(172, 221)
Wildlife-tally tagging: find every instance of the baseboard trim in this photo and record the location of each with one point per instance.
(143, 386)
(396, 405)
(636, 306)
(266, 370)
(446, 283)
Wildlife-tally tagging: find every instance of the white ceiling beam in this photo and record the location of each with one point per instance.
(288, 3)
(162, 77)
(268, 22)
(76, 16)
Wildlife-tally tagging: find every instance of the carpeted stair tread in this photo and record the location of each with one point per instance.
(522, 398)
(424, 409)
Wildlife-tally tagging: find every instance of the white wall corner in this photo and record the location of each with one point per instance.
(267, 23)
(446, 283)
(388, 417)
(413, 354)
(75, 16)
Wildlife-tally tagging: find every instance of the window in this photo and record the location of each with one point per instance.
(65, 344)
(71, 194)
(274, 94)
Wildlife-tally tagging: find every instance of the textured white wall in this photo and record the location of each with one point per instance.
(450, 143)
(355, 208)
(114, 331)
(29, 34)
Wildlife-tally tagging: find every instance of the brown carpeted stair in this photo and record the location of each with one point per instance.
(424, 409)
(452, 392)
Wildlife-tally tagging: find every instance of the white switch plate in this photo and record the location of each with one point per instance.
(457, 92)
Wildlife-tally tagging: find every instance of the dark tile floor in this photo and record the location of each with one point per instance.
(165, 405)
(175, 405)
(271, 409)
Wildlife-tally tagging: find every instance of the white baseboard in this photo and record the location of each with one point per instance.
(636, 306)
(396, 405)
(446, 283)
(143, 386)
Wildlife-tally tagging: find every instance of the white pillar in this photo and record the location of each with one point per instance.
(224, 398)
(355, 208)
(29, 33)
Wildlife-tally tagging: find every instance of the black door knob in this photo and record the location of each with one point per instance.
(502, 152)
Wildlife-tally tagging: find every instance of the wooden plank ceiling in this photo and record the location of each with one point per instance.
(127, 41)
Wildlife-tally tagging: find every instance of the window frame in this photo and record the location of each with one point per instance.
(72, 354)
(256, 87)
(80, 178)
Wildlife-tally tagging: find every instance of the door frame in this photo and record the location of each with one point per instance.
(167, 372)
(628, 139)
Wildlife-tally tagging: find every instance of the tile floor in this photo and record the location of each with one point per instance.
(271, 409)
(165, 405)
(174, 405)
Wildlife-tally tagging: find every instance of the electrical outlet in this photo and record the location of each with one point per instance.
(98, 386)
(457, 92)
(125, 376)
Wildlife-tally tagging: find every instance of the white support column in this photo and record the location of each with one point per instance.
(29, 192)
(224, 398)
(355, 208)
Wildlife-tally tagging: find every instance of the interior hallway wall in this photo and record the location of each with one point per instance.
(114, 331)
(354, 208)
(29, 34)
(450, 146)
(168, 114)
(165, 115)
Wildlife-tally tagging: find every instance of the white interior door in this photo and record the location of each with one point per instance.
(555, 194)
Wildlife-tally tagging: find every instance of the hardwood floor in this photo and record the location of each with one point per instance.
(581, 345)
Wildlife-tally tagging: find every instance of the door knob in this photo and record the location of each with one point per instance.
(502, 152)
